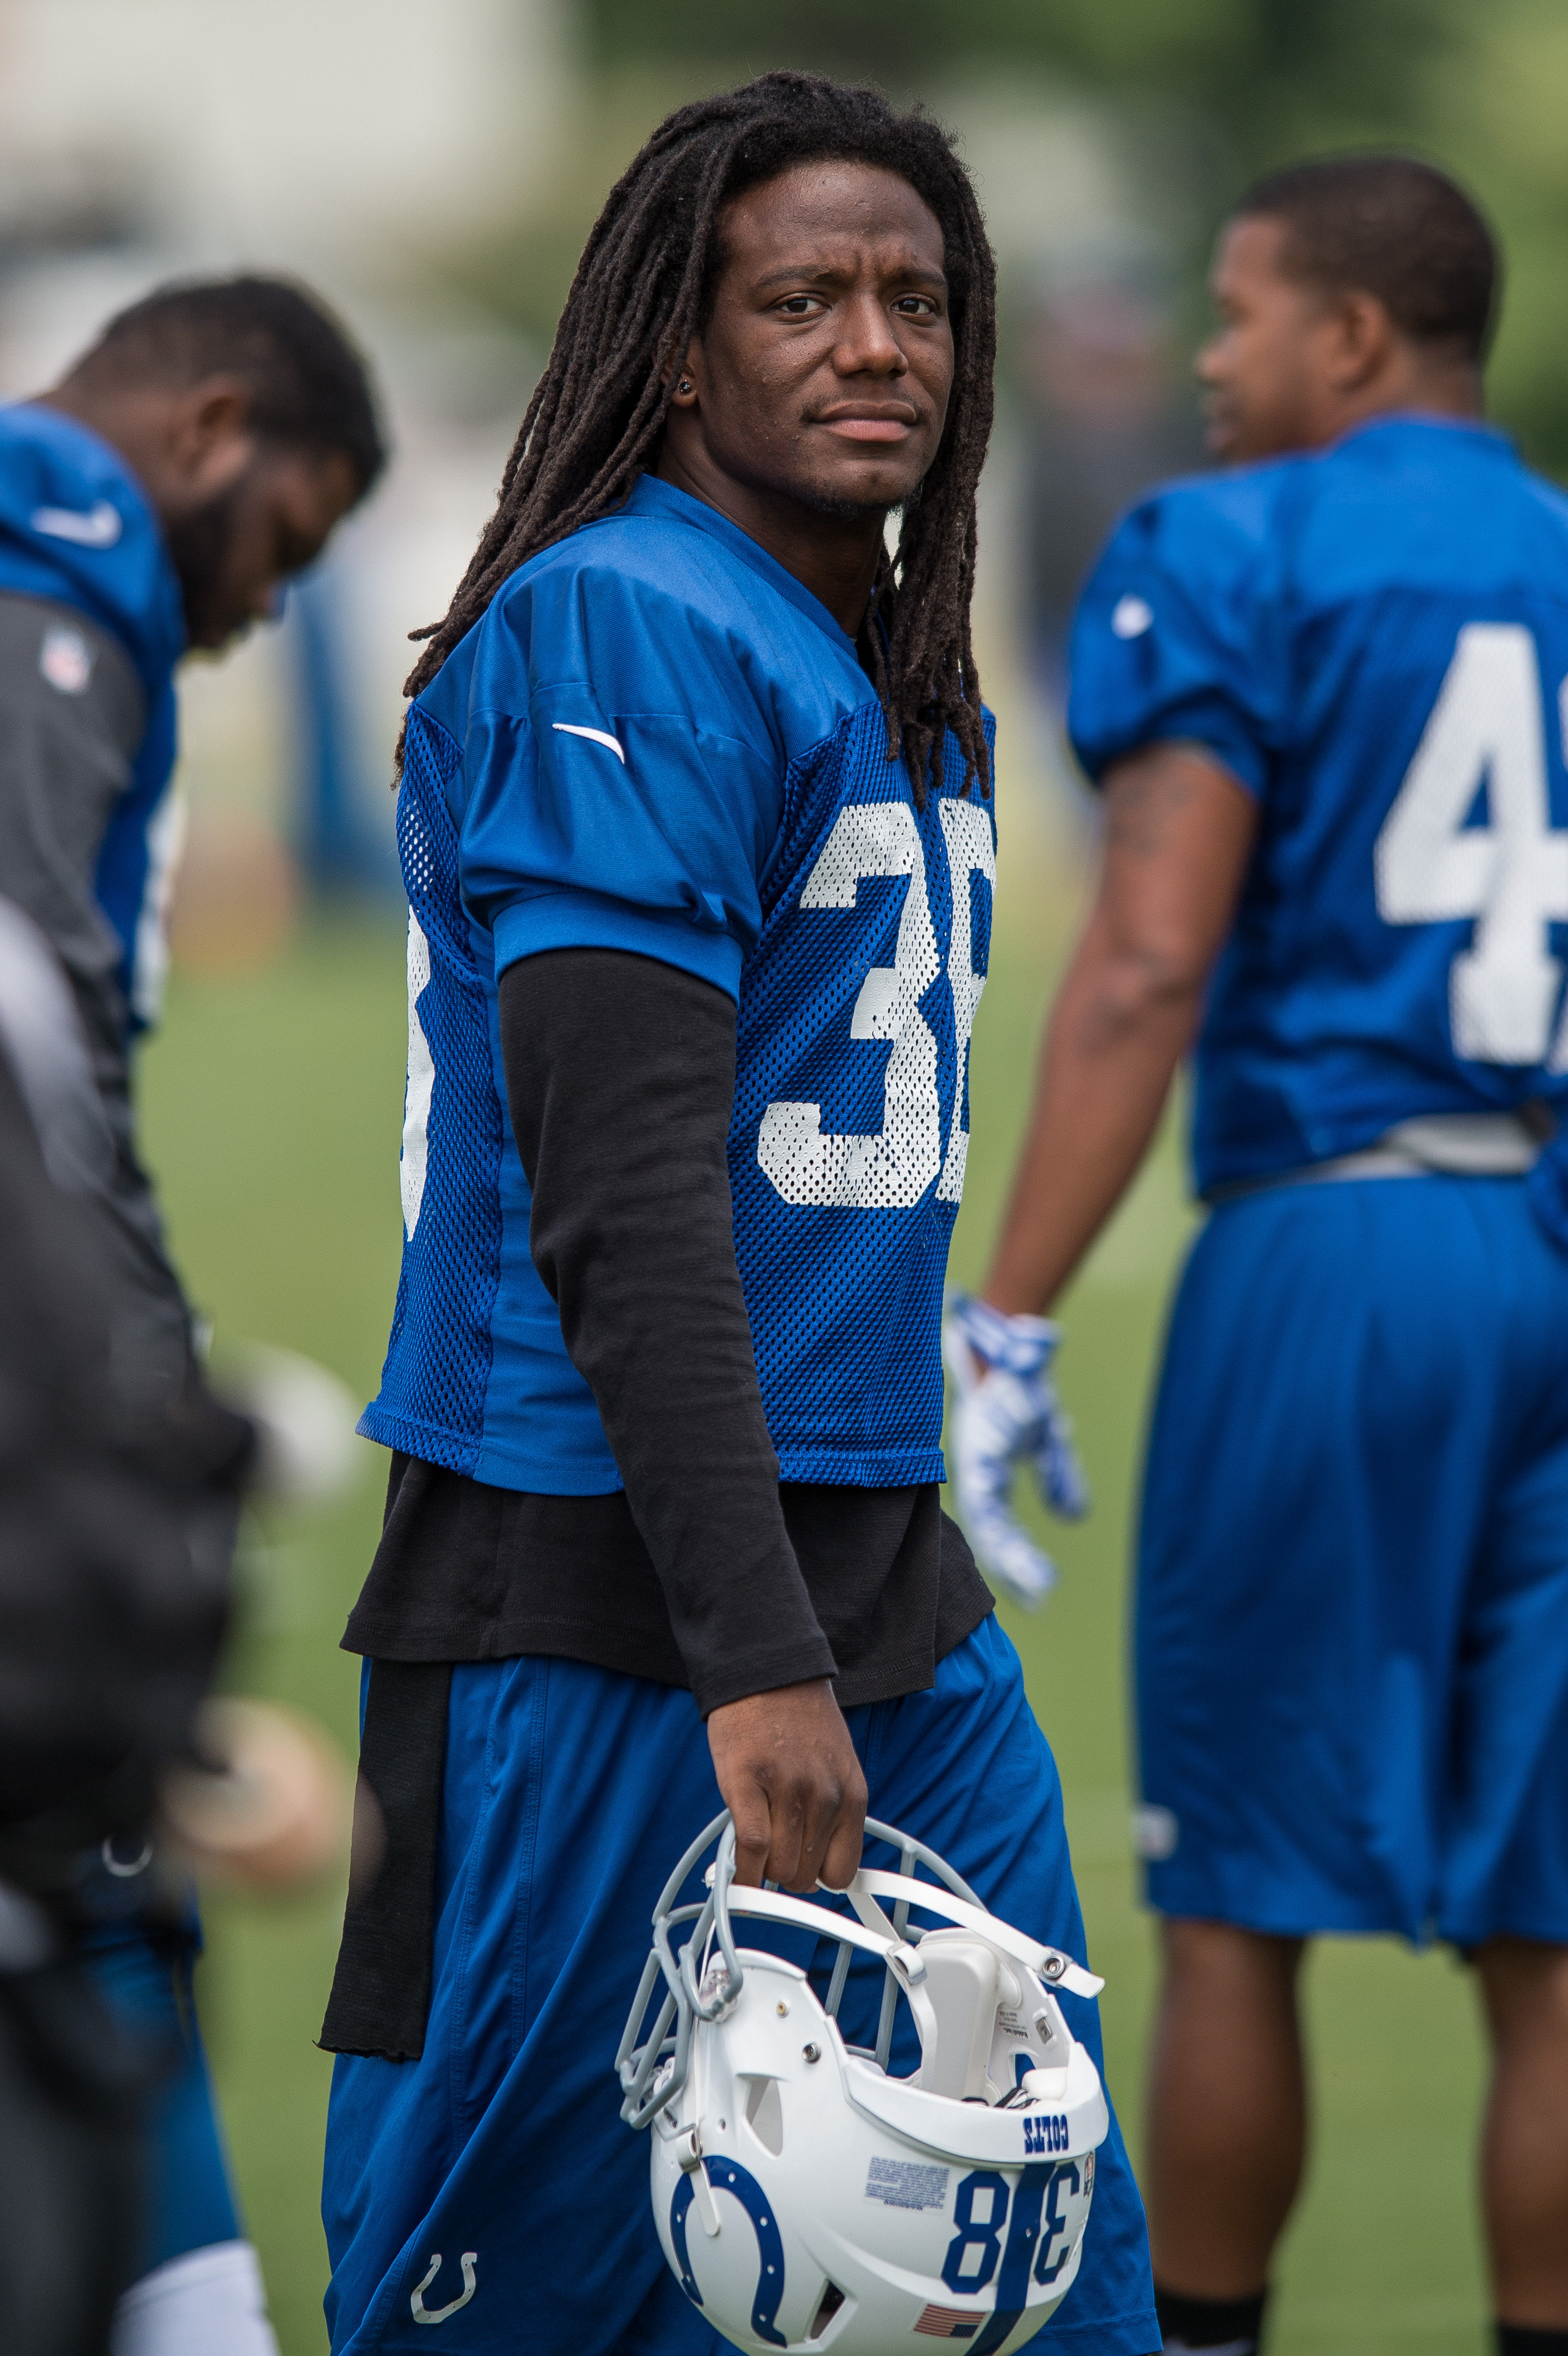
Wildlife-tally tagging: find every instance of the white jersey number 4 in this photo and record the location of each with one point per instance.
(1511, 874)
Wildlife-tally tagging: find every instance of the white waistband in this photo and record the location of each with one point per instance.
(1445, 1144)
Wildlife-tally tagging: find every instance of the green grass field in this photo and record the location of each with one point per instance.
(272, 1108)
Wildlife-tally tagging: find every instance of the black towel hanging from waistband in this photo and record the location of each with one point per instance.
(380, 1990)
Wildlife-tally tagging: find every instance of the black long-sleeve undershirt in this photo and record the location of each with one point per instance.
(621, 1073)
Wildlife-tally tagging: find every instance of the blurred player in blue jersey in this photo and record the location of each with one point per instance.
(697, 831)
(1325, 695)
(155, 500)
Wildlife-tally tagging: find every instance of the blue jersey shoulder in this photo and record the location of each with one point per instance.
(1257, 526)
(663, 609)
(1197, 618)
(1206, 525)
(1163, 639)
(624, 718)
(75, 526)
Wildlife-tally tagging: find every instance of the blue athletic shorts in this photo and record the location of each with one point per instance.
(189, 2202)
(569, 1792)
(1353, 1609)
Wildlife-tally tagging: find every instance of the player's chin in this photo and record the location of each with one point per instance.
(855, 484)
(1223, 436)
(211, 630)
(1245, 437)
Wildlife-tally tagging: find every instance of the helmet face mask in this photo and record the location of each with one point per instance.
(808, 2198)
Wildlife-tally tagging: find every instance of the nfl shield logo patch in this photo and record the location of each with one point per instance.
(66, 661)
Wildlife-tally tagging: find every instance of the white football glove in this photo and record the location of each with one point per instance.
(1007, 1413)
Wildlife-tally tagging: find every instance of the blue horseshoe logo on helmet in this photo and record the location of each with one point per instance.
(729, 2175)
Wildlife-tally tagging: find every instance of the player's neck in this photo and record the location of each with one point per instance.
(1421, 389)
(133, 426)
(834, 555)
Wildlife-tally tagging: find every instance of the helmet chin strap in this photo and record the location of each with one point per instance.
(1055, 1968)
(904, 1960)
(689, 2153)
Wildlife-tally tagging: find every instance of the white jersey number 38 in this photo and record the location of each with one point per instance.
(895, 1164)
(1511, 874)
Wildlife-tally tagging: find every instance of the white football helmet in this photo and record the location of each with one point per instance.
(805, 2199)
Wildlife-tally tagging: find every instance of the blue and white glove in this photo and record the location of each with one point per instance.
(1007, 1414)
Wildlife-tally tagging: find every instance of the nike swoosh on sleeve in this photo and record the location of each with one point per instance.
(594, 736)
(99, 527)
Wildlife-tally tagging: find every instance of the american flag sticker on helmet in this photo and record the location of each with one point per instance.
(949, 2322)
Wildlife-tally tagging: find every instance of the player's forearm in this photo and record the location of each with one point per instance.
(1180, 830)
(621, 1075)
(1119, 1028)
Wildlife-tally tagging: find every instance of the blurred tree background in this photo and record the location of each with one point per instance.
(1188, 99)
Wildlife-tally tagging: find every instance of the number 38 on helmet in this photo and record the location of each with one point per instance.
(806, 2198)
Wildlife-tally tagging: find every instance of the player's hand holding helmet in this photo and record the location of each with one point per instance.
(805, 2199)
(1007, 1414)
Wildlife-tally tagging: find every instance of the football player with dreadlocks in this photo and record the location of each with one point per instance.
(696, 823)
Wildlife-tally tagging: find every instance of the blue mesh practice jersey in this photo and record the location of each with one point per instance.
(75, 527)
(657, 740)
(1374, 640)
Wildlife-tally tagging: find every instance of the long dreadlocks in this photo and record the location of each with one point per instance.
(644, 287)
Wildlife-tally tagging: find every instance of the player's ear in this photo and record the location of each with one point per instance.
(1363, 339)
(210, 439)
(688, 378)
